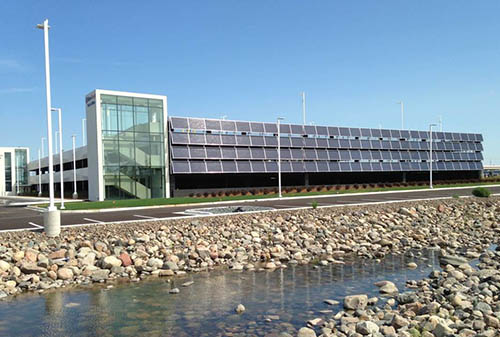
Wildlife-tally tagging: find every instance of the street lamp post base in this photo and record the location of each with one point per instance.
(52, 222)
(75, 195)
(40, 194)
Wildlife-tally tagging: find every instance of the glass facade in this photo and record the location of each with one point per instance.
(133, 147)
(21, 166)
(8, 172)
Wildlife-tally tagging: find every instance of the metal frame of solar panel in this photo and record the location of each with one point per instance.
(201, 145)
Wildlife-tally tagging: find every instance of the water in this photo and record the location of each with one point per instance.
(206, 308)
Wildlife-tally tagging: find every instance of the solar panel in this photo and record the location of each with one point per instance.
(297, 154)
(414, 134)
(310, 166)
(286, 166)
(212, 124)
(196, 123)
(395, 155)
(179, 138)
(377, 133)
(377, 166)
(333, 131)
(322, 130)
(355, 154)
(479, 137)
(333, 143)
(414, 155)
(396, 166)
(285, 128)
(271, 166)
(386, 144)
(386, 133)
(414, 166)
(355, 143)
(180, 166)
(297, 142)
(243, 126)
(258, 166)
(405, 166)
(333, 155)
(322, 154)
(214, 166)
(178, 123)
(405, 145)
(297, 129)
(355, 132)
(376, 144)
(297, 166)
(197, 152)
(242, 140)
(366, 167)
(257, 127)
(310, 129)
(386, 155)
(271, 153)
(424, 155)
(198, 166)
(213, 139)
(213, 152)
(345, 155)
(322, 166)
(366, 133)
(228, 152)
(366, 144)
(309, 142)
(228, 139)
(366, 154)
(395, 144)
(423, 134)
(229, 166)
(395, 134)
(243, 166)
(356, 166)
(243, 153)
(310, 154)
(344, 144)
(179, 151)
(271, 128)
(286, 154)
(285, 142)
(228, 126)
(345, 166)
(196, 138)
(322, 142)
(257, 153)
(257, 140)
(376, 155)
(386, 167)
(405, 134)
(344, 132)
(334, 166)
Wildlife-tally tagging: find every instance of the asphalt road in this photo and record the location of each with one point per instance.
(17, 218)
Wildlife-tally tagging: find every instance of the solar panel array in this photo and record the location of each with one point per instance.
(220, 146)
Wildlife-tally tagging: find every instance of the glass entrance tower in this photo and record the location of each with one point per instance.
(127, 145)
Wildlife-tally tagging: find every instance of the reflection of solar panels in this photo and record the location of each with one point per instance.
(220, 146)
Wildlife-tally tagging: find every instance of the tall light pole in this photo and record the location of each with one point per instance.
(84, 124)
(303, 94)
(402, 114)
(43, 147)
(279, 156)
(55, 136)
(61, 166)
(430, 155)
(17, 175)
(52, 217)
(75, 193)
(39, 174)
(441, 123)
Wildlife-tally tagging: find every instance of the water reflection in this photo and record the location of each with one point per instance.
(206, 308)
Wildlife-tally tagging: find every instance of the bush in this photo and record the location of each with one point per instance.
(314, 204)
(481, 192)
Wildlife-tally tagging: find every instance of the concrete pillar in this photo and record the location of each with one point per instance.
(404, 177)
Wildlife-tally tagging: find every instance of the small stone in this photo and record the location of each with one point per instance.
(355, 302)
(174, 291)
(100, 275)
(65, 274)
(367, 328)
(240, 309)
(111, 261)
(387, 287)
(270, 265)
(4, 266)
(331, 302)
(58, 254)
(412, 265)
(306, 332)
(187, 284)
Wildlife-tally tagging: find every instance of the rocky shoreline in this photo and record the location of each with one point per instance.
(30, 261)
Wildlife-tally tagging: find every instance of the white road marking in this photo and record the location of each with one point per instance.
(145, 216)
(34, 224)
(92, 220)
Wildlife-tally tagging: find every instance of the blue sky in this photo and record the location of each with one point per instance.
(251, 59)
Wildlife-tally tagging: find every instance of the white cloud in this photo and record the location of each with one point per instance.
(7, 64)
(15, 90)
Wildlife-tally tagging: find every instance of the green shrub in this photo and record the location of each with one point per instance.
(314, 204)
(455, 196)
(481, 192)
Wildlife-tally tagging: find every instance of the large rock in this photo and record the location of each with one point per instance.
(100, 275)
(367, 328)
(65, 274)
(4, 266)
(306, 332)
(58, 254)
(454, 260)
(355, 302)
(125, 258)
(111, 261)
(88, 260)
(31, 255)
(155, 263)
(31, 268)
(171, 265)
(387, 287)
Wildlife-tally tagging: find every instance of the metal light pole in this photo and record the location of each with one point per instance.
(39, 174)
(55, 136)
(43, 147)
(441, 123)
(75, 194)
(17, 175)
(279, 157)
(61, 166)
(402, 114)
(84, 124)
(52, 217)
(303, 108)
(430, 155)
